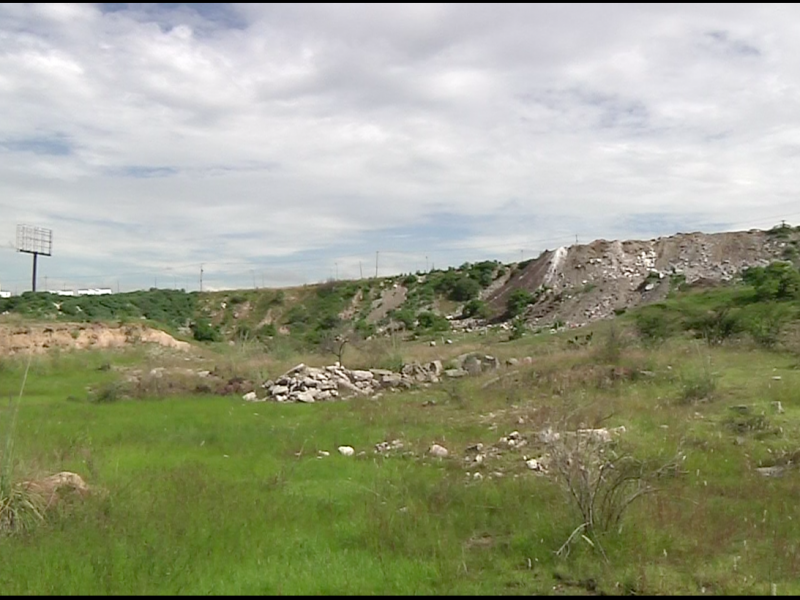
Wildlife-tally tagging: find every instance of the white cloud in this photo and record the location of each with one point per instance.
(150, 138)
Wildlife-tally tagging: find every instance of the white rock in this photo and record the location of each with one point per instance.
(250, 397)
(346, 450)
(362, 375)
(438, 451)
(533, 464)
(323, 453)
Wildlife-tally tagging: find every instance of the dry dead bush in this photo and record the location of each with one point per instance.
(600, 479)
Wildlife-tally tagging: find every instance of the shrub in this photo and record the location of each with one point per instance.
(432, 322)
(698, 384)
(476, 308)
(600, 482)
(517, 301)
(777, 281)
(765, 322)
(610, 350)
(464, 288)
(518, 328)
(716, 325)
(409, 280)
(265, 331)
(654, 324)
(203, 331)
(404, 316)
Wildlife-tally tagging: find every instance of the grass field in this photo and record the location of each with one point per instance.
(213, 495)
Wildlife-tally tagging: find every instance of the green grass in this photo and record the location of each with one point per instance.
(212, 495)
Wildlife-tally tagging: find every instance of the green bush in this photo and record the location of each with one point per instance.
(405, 316)
(265, 331)
(518, 328)
(476, 308)
(517, 301)
(765, 322)
(777, 281)
(432, 322)
(654, 324)
(697, 384)
(464, 289)
(203, 331)
(716, 325)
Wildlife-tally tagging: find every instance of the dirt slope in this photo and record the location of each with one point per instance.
(15, 339)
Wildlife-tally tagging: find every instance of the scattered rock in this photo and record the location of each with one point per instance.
(534, 465)
(778, 407)
(438, 451)
(250, 397)
(346, 450)
(453, 373)
(776, 471)
(384, 447)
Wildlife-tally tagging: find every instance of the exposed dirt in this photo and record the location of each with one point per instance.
(391, 298)
(41, 338)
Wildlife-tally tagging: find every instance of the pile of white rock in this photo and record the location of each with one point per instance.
(317, 384)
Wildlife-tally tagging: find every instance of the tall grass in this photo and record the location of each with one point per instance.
(20, 508)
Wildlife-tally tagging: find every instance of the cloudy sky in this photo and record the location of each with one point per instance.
(278, 145)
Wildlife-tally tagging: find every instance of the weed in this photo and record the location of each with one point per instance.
(20, 508)
(698, 383)
(600, 481)
(610, 349)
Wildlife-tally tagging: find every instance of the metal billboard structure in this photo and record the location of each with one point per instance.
(36, 241)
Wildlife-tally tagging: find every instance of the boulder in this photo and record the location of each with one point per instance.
(455, 373)
(307, 396)
(438, 451)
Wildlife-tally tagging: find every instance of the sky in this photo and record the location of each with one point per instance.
(271, 145)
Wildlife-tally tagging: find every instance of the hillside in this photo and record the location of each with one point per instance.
(569, 286)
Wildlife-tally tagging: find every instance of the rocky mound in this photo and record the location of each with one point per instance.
(317, 384)
(587, 282)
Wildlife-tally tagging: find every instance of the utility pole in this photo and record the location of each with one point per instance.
(201, 277)
(253, 273)
(337, 270)
(376, 263)
(426, 263)
(360, 271)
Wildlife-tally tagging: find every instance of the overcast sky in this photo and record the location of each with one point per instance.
(286, 144)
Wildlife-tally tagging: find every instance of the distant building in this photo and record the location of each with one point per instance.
(94, 292)
(5, 294)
